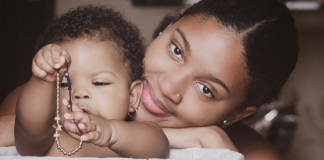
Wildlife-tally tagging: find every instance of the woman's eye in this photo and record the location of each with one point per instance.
(176, 51)
(100, 83)
(64, 85)
(205, 90)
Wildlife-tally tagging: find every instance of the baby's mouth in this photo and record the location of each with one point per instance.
(86, 111)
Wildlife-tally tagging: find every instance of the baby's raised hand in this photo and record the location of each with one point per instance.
(95, 128)
(47, 60)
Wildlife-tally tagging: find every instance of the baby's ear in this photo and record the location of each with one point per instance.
(238, 115)
(136, 89)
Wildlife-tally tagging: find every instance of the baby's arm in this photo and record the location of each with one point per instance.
(204, 137)
(128, 139)
(36, 104)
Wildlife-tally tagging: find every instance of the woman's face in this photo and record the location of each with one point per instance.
(194, 75)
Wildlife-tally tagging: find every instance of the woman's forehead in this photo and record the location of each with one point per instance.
(206, 26)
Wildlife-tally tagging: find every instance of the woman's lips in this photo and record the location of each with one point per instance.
(151, 102)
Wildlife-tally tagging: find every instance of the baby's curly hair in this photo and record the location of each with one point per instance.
(99, 23)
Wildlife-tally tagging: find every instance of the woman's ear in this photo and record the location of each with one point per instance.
(136, 89)
(238, 115)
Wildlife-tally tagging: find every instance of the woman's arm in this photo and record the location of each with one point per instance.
(204, 137)
(247, 141)
(250, 143)
(8, 105)
(7, 124)
(7, 117)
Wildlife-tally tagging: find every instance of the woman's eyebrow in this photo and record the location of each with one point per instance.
(184, 38)
(218, 81)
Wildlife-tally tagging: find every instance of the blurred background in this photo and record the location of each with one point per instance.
(294, 124)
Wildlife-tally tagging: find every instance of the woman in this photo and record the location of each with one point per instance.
(215, 65)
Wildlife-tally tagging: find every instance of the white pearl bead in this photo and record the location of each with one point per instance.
(56, 135)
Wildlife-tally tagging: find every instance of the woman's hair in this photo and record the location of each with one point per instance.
(167, 19)
(100, 24)
(268, 34)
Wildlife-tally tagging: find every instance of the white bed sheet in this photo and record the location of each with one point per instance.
(10, 153)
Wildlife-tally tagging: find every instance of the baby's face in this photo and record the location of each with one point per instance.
(99, 80)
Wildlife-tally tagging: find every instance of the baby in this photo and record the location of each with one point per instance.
(104, 62)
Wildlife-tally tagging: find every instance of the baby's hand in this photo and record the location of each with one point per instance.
(95, 128)
(47, 60)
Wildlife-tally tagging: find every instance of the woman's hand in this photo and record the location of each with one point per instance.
(204, 137)
(7, 125)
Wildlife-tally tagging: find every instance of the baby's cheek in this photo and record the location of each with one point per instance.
(114, 110)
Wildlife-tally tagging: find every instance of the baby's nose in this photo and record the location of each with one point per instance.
(83, 97)
(81, 94)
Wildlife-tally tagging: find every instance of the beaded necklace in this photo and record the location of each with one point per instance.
(57, 125)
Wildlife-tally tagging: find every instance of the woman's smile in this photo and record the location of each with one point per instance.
(152, 103)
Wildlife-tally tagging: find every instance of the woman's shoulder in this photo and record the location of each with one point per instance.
(8, 105)
(250, 143)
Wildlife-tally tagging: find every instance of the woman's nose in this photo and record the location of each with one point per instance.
(172, 85)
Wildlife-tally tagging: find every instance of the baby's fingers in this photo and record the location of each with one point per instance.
(42, 70)
(51, 54)
(91, 136)
(96, 138)
(70, 126)
(88, 127)
(77, 116)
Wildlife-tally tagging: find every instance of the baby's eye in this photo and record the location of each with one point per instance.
(176, 51)
(100, 84)
(64, 85)
(205, 90)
